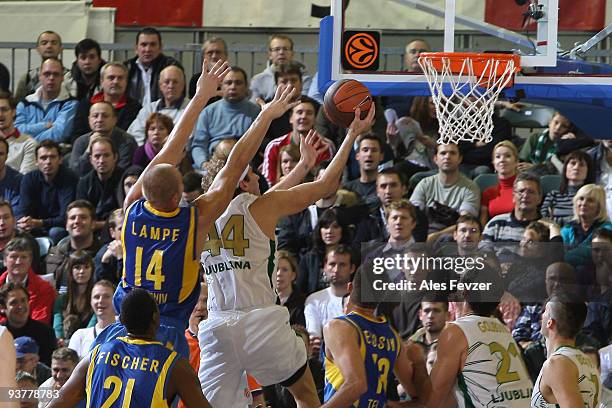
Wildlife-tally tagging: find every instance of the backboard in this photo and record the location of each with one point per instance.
(579, 89)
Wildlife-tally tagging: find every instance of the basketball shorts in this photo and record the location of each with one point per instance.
(259, 342)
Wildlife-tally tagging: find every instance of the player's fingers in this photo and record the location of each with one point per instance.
(293, 104)
(220, 67)
(371, 113)
(287, 93)
(204, 65)
(279, 91)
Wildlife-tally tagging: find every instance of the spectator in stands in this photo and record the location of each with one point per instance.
(399, 106)
(144, 69)
(102, 121)
(8, 231)
(49, 112)
(433, 316)
(22, 148)
(326, 304)
(214, 49)
(539, 248)
(590, 215)
(14, 306)
(559, 278)
(286, 274)
(509, 227)
(18, 262)
(450, 193)
(27, 383)
(539, 149)
(104, 315)
(157, 130)
(602, 162)
(109, 259)
(130, 175)
(28, 359)
(192, 187)
(289, 156)
(599, 318)
(263, 85)
(328, 233)
(79, 223)
(400, 223)
(45, 193)
(48, 45)
(10, 179)
(63, 363)
(72, 310)
(577, 171)
(83, 79)
(369, 155)
(113, 81)
(227, 118)
(289, 72)
(99, 186)
(498, 199)
(413, 137)
(302, 121)
(172, 102)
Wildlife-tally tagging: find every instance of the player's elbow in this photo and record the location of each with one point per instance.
(358, 387)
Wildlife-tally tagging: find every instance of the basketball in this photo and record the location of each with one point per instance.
(341, 100)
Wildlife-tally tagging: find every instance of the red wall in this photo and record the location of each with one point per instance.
(183, 13)
(574, 15)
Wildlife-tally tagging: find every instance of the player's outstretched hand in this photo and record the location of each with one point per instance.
(359, 126)
(284, 99)
(211, 78)
(311, 147)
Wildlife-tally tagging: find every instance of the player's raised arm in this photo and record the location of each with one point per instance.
(213, 202)
(290, 201)
(172, 152)
(451, 346)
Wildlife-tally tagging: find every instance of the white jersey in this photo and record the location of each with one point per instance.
(588, 380)
(238, 260)
(494, 374)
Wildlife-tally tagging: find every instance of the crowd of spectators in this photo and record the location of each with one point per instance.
(73, 141)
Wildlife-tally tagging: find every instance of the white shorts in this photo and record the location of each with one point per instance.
(260, 342)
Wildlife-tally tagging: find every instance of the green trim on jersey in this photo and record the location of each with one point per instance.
(464, 390)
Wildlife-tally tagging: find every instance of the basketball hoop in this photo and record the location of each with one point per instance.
(464, 88)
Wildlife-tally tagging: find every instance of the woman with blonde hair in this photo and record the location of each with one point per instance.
(590, 215)
(498, 199)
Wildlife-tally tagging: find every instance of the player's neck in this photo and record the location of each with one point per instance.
(553, 343)
(363, 311)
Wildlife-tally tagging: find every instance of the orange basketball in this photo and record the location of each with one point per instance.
(341, 100)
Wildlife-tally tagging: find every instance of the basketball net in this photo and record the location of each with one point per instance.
(464, 88)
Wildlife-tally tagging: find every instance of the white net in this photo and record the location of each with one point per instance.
(465, 98)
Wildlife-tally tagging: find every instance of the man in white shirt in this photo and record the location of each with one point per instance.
(326, 304)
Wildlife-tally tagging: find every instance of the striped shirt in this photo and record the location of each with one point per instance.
(559, 207)
(503, 228)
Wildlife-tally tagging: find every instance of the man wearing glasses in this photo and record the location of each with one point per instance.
(263, 85)
(214, 49)
(49, 112)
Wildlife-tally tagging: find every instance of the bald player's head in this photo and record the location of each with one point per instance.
(162, 186)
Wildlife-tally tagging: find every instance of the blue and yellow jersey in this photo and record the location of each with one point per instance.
(379, 346)
(128, 371)
(159, 255)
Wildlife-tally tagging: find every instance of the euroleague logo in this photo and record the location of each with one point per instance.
(361, 50)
